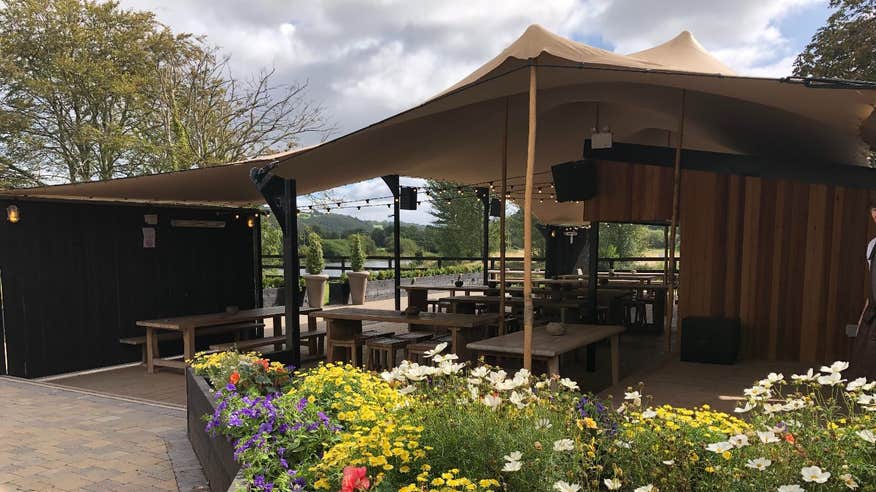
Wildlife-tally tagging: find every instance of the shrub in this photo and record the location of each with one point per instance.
(357, 253)
(314, 261)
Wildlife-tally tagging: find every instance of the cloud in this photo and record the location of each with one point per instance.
(368, 59)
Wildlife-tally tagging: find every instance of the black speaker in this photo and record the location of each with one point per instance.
(575, 180)
(407, 197)
(712, 340)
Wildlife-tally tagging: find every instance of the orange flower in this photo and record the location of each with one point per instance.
(790, 438)
(235, 377)
(355, 478)
(263, 362)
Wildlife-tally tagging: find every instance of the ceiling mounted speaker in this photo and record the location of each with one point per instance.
(575, 181)
(407, 196)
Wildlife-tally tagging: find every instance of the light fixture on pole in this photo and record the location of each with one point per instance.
(13, 215)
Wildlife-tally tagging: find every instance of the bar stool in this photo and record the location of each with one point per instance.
(380, 352)
(352, 347)
(414, 351)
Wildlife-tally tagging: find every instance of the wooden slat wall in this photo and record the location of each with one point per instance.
(787, 258)
(630, 193)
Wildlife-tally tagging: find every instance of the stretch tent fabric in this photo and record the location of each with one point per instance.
(459, 135)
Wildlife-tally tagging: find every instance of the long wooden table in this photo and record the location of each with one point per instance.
(418, 295)
(189, 326)
(549, 348)
(456, 303)
(346, 323)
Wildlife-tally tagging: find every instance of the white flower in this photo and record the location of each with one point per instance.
(479, 372)
(794, 404)
(739, 440)
(517, 400)
(492, 401)
(802, 378)
(564, 445)
(442, 358)
(775, 378)
(506, 385)
(831, 379)
(512, 466)
(622, 444)
(814, 473)
(449, 368)
(497, 376)
(634, 397)
(407, 389)
(668, 462)
(649, 414)
(513, 456)
(856, 384)
(522, 375)
(759, 463)
(749, 406)
(757, 393)
(473, 391)
(867, 435)
(562, 486)
(612, 483)
(646, 488)
(773, 407)
(569, 384)
(719, 447)
(849, 481)
(767, 437)
(791, 488)
(437, 350)
(543, 424)
(835, 368)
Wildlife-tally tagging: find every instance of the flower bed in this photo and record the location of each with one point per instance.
(448, 427)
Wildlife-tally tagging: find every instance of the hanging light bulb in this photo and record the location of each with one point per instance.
(388, 205)
(367, 200)
(250, 221)
(359, 207)
(13, 215)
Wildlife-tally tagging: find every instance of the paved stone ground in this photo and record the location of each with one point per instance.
(54, 438)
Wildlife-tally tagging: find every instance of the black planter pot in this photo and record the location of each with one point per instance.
(216, 454)
(339, 293)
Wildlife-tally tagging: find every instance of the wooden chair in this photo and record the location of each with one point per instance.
(380, 353)
(352, 348)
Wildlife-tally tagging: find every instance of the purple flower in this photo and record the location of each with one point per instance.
(230, 387)
(302, 404)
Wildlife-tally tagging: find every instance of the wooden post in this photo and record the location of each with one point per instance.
(484, 195)
(676, 190)
(593, 270)
(291, 270)
(502, 231)
(257, 258)
(527, 224)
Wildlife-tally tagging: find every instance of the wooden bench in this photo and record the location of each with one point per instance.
(352, 346)
(380, 353)
(317, 347)
(549, 348)
(235, 328)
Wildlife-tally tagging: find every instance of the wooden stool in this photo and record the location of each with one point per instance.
(602, 314)
(380, 352)
(352, 347)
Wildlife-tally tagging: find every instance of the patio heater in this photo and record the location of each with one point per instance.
(281, 197)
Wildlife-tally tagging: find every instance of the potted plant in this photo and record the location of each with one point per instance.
(358, 277)
(314, 263)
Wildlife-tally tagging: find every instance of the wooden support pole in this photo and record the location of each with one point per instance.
(291, 270)
(676, 191)
(392, 181)
(484, 195)
(527, 223)
(502, 231)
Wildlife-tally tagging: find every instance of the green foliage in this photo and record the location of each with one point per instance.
(842, 48)
(430, 272)
(315, 260)
(514, 240)
(460, 218)
(334, 248)
(357, 253)
(618, 240)
(272, 236)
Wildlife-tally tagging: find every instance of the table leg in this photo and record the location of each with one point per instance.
(419, 298)
(615, 359)
(150, 349)
(553, 365)
(278, 331)
(188, 344)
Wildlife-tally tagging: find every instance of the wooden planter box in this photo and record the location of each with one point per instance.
(216, 454)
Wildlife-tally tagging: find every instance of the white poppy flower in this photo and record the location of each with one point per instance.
(564, 445)
(802, 378)
(739, 440)
(497, 376)
(569, 384)
(649, 414)
(479, 372)
(407, 389)
(437, 350)
(790, 488)
(794, 404)
(749, 406)
(830, 379)
(513, 456)
(759, 463)
(849, 481)
(773, 407)
(492, 401)
(767, 437)
(646, 488)
(856, 384)
(835, 368)
(612, 483)
(867, 435)
(543, 424)
(634, 397)
(814, 473)
(562, 486)
(719, 447)
(511, 466)
(517, 400)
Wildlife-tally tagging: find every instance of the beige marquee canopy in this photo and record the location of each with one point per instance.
(459, 134)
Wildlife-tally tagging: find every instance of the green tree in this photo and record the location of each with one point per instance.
(460, 218)
(618, 240)
(357, 253)
(845, 47)
(514, 239)
(314, 262)
(93, 91)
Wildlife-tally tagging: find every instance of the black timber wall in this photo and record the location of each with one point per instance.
(76, 277)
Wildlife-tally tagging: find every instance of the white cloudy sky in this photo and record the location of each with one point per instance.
(368, 59)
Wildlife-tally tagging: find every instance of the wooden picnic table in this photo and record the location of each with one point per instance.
(418, 295)
(493, 301)
(346, 323)
(549, 348)
(189, 326)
